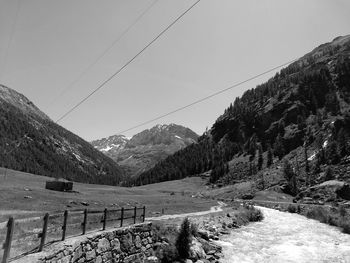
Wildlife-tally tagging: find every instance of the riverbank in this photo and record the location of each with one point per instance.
(205, 230)
(335, 215)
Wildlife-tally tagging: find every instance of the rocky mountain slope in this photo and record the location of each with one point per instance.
(292, 131)
(114, 142)
(146, 148)
(31, 142)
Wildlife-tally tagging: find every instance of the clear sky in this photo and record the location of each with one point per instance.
(217, 44)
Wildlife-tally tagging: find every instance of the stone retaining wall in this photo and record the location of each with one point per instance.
(128, 244)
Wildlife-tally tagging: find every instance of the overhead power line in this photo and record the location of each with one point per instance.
(206, 98)
(127, 63)
(116, 41)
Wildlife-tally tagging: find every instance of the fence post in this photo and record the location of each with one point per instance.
(135, 214)
(122, 217)
(104, 218)
(43, 233)
(8, 241)
(144, 214)
(85, 221)
(64, 226)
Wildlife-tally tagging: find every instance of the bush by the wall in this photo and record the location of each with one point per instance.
(184, 239)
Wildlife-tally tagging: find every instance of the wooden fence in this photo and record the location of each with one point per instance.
(98, 219)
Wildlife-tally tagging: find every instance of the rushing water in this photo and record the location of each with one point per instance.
(284, 237)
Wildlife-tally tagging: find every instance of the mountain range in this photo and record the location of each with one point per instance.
(31, 142)
(145, 149)
(300, 119)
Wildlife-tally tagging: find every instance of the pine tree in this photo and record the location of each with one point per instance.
(332, 103)
(252, 146)
(328, 174)
(279, 147)
(290, 176)
(184, 239)
(260, 157)
(307, 168)
(300, 121)
(332, 153)
(342, 143)
(269, 157)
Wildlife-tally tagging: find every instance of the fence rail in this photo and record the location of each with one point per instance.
(61, 223)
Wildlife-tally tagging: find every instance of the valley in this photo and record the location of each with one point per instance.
(284, 144)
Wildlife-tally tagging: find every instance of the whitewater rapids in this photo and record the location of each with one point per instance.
(285, 237)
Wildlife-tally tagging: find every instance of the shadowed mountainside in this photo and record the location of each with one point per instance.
(295, 128)
(31, 142)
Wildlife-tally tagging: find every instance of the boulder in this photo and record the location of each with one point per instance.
(152, 259)
(203, 234)
(196, 250)
(103, 245)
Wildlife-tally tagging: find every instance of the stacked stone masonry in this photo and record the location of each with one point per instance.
(130, 244)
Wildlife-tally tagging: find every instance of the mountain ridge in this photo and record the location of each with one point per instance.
(31, 142)
(147, 147)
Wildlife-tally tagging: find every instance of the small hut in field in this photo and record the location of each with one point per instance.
(60, 184)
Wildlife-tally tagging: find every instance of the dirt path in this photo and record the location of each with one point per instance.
(213, 209)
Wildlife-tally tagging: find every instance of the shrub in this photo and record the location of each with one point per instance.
(162, 232)
(253, 214)
(342, 211)
(345, 224)
(184, 239)
(169, 254)
(333, 217)
(194, 230)
(292, 209)
(298, 209)
(318, 213)
(333, 220)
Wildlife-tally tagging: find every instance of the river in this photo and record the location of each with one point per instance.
(284, 237)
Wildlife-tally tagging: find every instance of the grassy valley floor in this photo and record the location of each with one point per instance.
(24, 195)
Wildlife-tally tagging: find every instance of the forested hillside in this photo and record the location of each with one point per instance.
(31, 142)
(304, 105)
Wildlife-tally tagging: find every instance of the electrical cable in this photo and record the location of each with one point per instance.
(127, 63)
(206, 98)
(116, 41)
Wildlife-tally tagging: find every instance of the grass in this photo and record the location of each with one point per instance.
(334, 217)
(16, 186)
